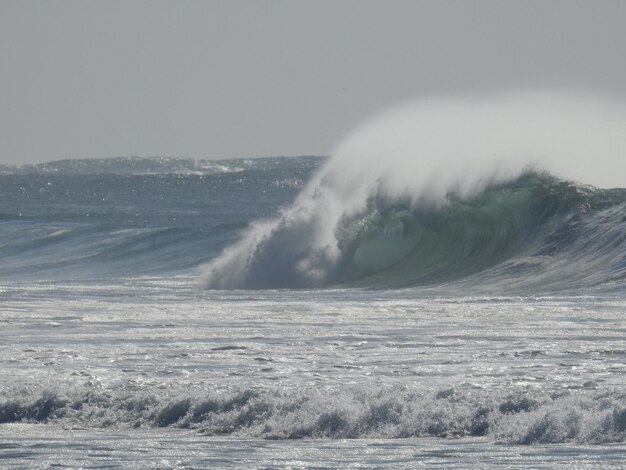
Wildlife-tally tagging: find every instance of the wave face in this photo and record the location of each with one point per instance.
(447, 191)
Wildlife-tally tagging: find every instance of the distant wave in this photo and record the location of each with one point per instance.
(147, 166)
(518, 416)
(451, 191)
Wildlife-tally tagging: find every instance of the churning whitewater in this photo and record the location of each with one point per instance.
(492, 191)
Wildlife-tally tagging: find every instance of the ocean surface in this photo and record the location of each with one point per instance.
(266, 313)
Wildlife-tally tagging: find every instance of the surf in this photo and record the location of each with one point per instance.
(443, 190)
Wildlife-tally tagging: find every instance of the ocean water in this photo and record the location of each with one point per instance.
(167, 313)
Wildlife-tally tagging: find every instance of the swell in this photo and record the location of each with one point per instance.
(63, 223)
(75, 251)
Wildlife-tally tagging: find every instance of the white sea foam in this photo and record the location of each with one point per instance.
(517, 416)
(318, 364)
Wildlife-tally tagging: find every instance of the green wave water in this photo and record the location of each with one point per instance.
(533, 233)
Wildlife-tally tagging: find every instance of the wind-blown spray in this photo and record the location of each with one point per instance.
(406, 180)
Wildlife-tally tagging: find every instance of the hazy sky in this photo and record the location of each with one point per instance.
(222, 79)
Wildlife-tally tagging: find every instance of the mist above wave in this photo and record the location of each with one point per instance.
(434, 146)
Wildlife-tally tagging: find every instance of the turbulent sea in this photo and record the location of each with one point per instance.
(268, 313)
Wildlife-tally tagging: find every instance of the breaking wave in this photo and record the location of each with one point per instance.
(518, 416)
(455, 190)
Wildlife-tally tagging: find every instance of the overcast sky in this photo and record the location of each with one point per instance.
(225, 79)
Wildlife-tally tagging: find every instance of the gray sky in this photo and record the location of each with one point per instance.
(223, 79)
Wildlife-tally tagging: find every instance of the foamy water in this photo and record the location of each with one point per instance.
(213, 376)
